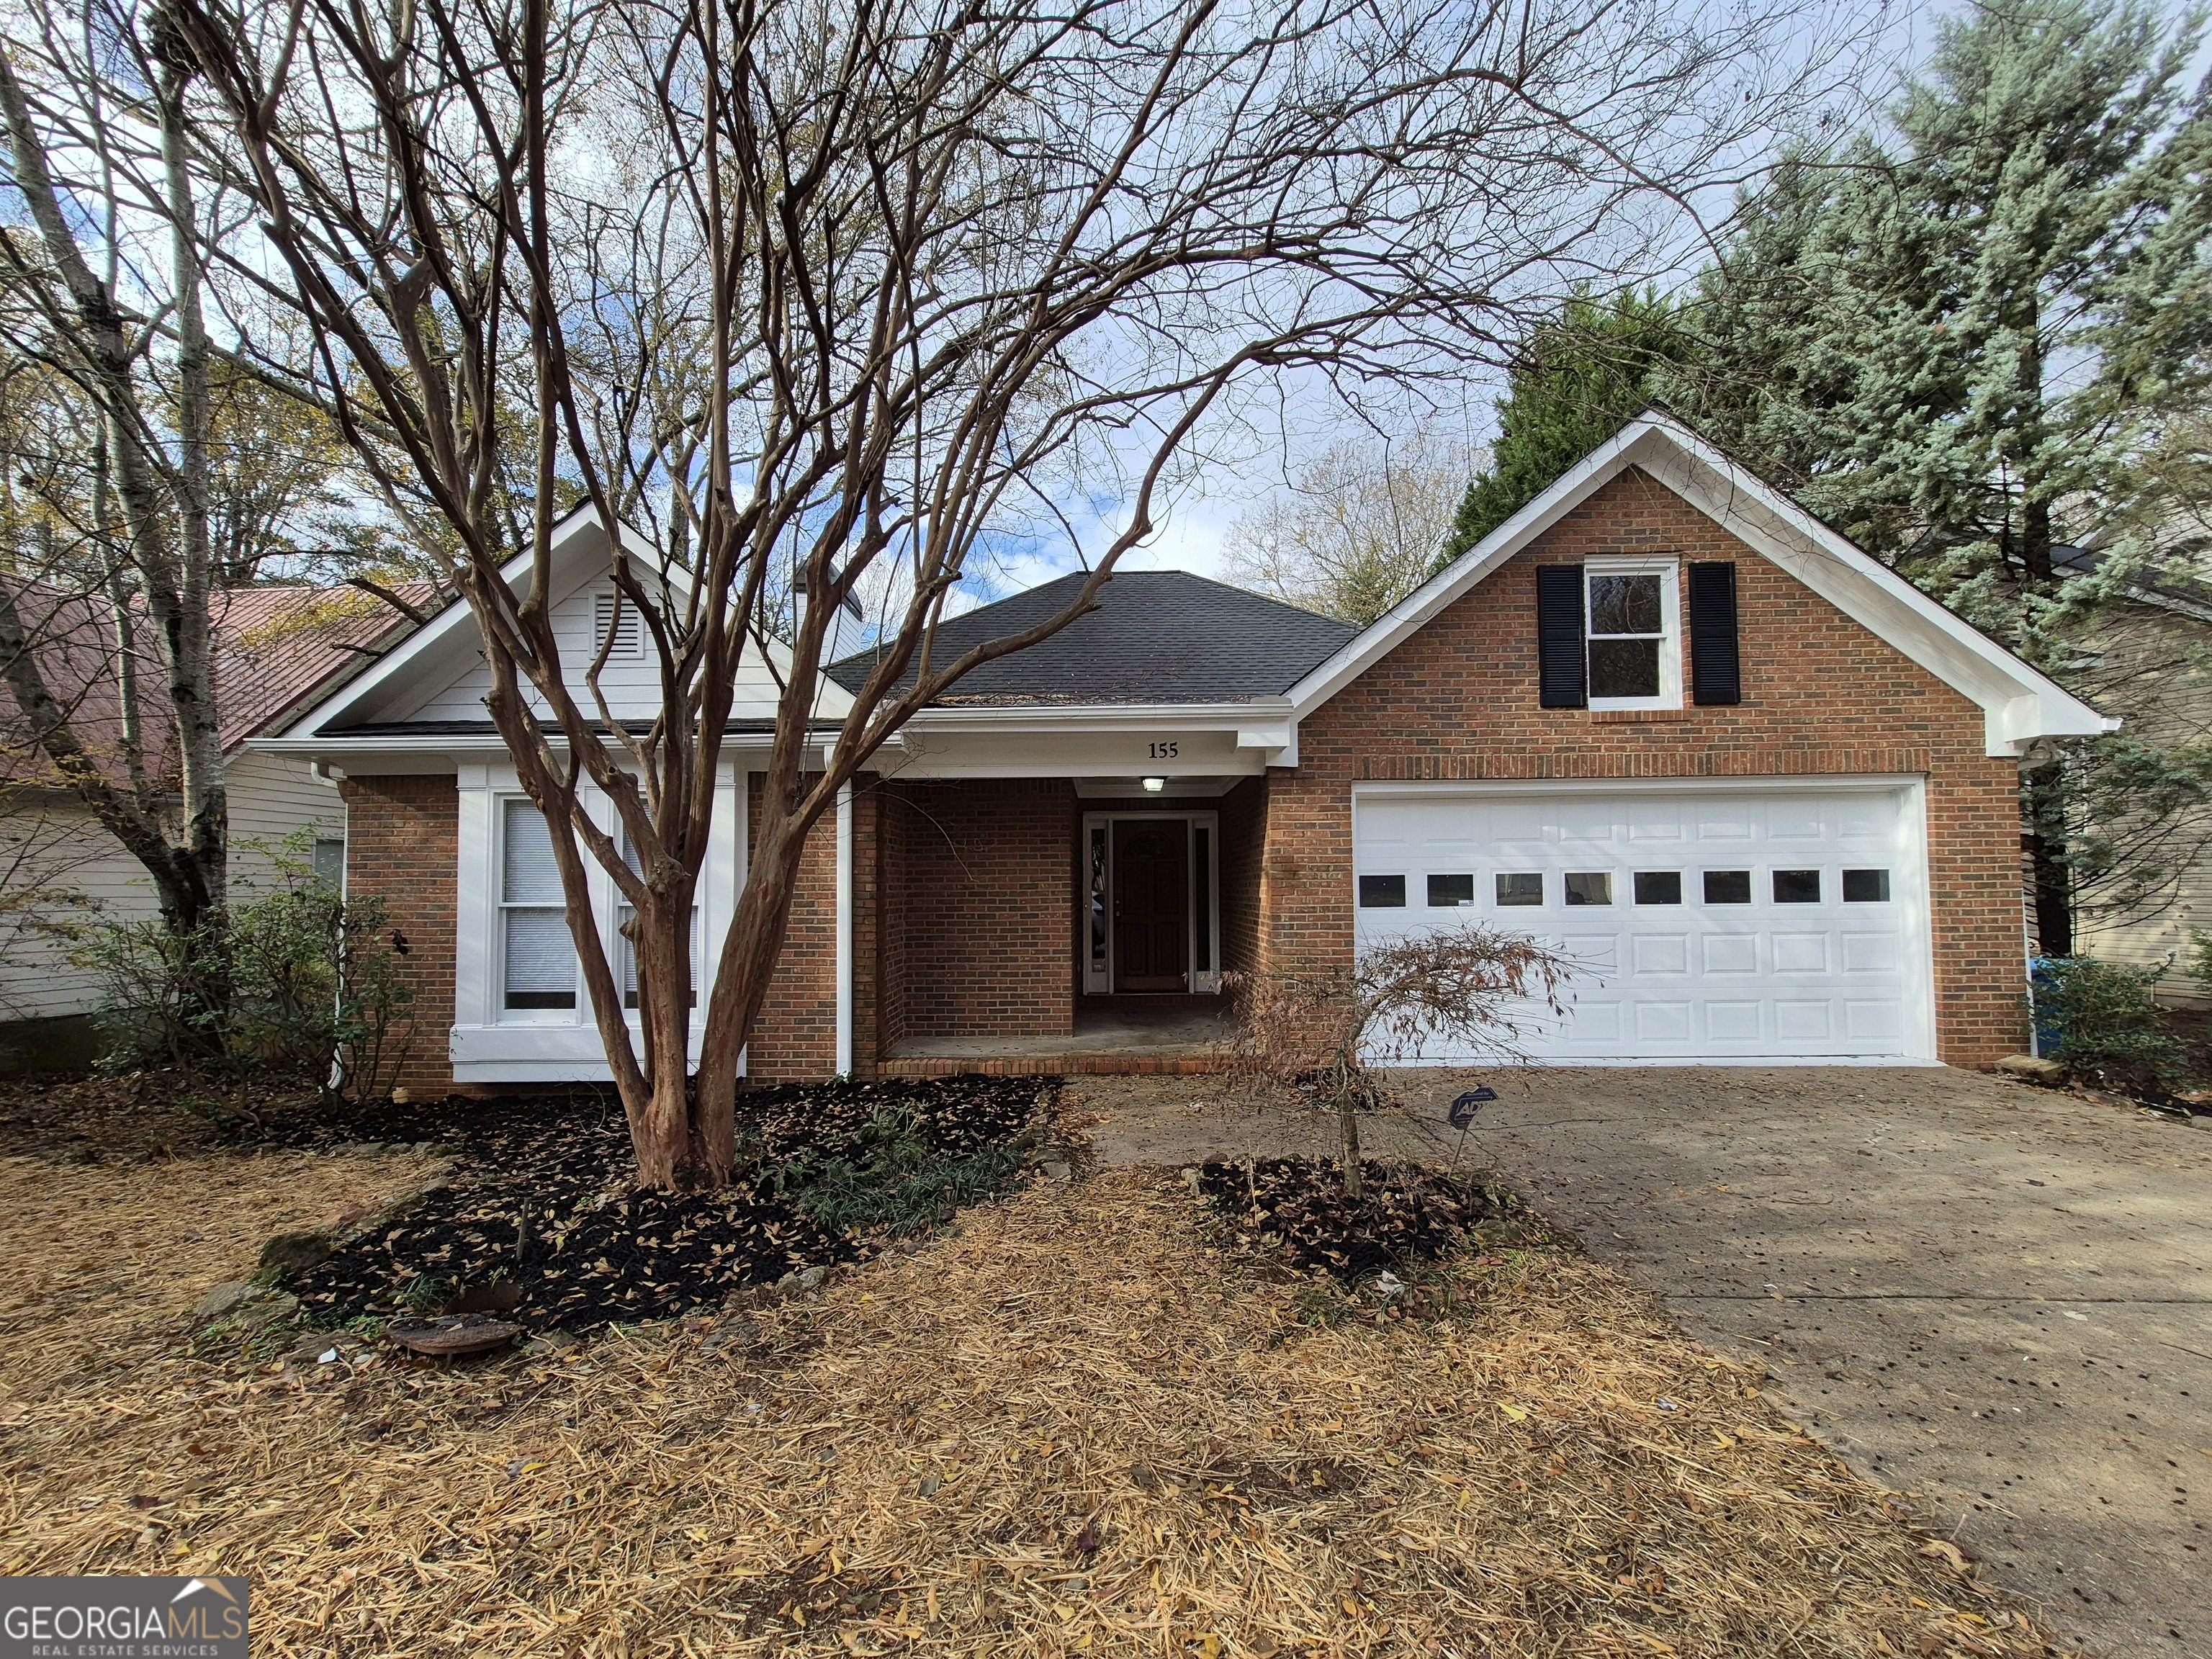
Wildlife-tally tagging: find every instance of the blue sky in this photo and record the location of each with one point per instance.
(1198, 522)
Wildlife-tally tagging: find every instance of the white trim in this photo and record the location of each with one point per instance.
(1910, 888)
(1763, 783)
(844, 1054)
(1669, 568)
(447, 646)
(487, 1043)
(1097, 982)
(2019, 703)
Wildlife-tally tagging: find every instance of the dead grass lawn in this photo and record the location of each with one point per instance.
(1065, 1429)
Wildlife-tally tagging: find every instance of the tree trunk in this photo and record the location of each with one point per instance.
(2050, 877)
(1348, 1091)
(750, 953)
(674, 1150)
(181, 605)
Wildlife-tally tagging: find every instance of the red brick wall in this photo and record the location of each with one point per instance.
(795, 1038)
(403, 845)
(1822, 695)
(1243, 846)
(976, 925)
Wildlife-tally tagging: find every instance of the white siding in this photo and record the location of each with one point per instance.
(2163, 938)
(271, 796)
(55, 845)
(630, 683)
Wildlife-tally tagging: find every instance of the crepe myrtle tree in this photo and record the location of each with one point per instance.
(1327, 1028)
(839, 302)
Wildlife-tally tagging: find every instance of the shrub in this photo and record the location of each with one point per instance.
(1322, 1032)
(295, 981)
(2109, 1029)
(890, 1176)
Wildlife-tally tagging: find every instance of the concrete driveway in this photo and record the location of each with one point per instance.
(1994, 1297)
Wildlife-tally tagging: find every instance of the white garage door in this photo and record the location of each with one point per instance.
(1709, 922)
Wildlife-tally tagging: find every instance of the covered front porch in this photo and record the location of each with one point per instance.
(1056, 925)
(1162, 1034)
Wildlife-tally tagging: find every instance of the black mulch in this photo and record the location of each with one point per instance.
(1407, 1214)
(541, 1220)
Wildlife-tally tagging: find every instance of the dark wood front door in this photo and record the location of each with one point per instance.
(1151, 906)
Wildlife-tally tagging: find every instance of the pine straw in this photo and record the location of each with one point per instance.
(917, 1457)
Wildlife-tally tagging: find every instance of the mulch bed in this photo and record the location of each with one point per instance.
(541, 1223)
(1297, 1205)
(1071, 1427)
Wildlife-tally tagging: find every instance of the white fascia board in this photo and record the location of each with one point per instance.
(2018, 702)
(1272, 713)
(444, 647)
(447, 646)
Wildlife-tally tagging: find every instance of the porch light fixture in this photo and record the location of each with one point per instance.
(1153, 786)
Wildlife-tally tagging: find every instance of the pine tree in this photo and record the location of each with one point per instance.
(1576, 384)
(1956, 339)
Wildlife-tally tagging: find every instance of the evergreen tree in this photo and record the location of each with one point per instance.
(1575, 384)
(1956, 340)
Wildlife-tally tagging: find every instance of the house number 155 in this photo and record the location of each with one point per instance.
(1165, 750)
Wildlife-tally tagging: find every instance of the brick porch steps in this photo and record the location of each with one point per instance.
(1092, 1064)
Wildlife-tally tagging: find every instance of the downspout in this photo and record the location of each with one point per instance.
(844, 1062)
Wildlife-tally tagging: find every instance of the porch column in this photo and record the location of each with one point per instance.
(844, 1058)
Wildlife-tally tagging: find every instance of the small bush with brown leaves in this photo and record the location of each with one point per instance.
(1406, 1213)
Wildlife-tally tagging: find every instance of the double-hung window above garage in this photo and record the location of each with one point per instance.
(1631, 617)
(1611, 633)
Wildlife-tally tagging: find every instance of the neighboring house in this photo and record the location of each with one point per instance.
(278, 649)
(2160, 633)
(1765, 791)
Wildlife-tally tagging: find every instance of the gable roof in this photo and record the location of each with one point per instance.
(383, 700)
(2019, 703)
(1155, 637)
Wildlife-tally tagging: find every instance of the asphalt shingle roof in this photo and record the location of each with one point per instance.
(1161, 636)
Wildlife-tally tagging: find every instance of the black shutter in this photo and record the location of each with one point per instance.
(1716, 669)
(1562, 662)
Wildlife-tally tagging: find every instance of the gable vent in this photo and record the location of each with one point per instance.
(629, 638)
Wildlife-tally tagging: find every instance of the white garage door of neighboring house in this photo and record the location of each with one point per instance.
(1712, 921)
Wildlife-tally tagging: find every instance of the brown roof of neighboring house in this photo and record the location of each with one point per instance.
(277, 650)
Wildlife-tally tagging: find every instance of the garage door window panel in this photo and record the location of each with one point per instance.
(1632, 626)
(1658, 886)
(1451, 892)
(1520, 889)
(1796, 886)
(1382, 892)
(1728, 886)
(1588, 887)
(1866, 887)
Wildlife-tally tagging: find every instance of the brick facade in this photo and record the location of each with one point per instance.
(403, 846)
(968, 896)
(1243, 848)
(1821, 695)
(796, 1036)
(976, 920)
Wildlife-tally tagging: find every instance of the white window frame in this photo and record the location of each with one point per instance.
(490, 1043)
(504, 802)
(1098, 981)
(1668, 569)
